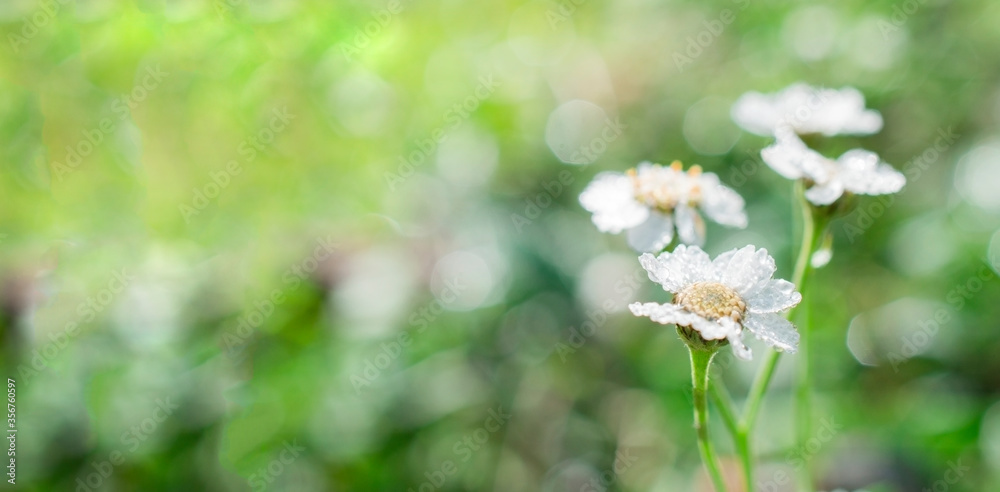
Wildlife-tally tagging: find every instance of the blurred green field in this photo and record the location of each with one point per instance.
(336, 246)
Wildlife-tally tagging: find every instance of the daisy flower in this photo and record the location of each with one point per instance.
(717, 300)
(805, 109)
(856, 171)
(651, 201)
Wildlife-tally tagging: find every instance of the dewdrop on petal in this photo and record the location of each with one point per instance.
(855, 171)
(714, 301)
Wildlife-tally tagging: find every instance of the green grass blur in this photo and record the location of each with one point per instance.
(309, 245)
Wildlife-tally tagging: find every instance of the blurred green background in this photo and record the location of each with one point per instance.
(336, 246)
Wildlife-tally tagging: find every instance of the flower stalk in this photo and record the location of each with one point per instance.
(717, 302)
(701, 360)
(814, 222)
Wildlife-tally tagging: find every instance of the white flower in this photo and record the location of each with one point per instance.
(649, 202)
(719, 299)
(805, 109)
(857, 171)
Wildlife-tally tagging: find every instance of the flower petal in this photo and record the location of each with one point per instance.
(821, 257)
(806, 109)
(690, 225)
(825, 194)
(652, 235)
(721, 203)
(744, 268)
(672, 314)
(772, 296)
(755, 113)
(735, 338)
(674, 271)
(863, 172)
(790, 157)
(721, 262)
(842, 112)
(611, 198)
(773, 329)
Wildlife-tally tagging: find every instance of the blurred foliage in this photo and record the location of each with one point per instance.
(303, 245)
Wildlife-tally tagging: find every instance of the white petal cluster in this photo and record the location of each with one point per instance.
(650, 202)
(804, 109)
(721, 298)
(857, 171)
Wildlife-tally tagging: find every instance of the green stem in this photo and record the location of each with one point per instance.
(742, 439)
(726, 407)
(813, 226)
(763, 379)
(700, 362)
(817, 221)
(757, 390)
(803, 402)
(725, 404)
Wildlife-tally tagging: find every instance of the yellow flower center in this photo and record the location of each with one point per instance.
(664, 188)
(711, 300)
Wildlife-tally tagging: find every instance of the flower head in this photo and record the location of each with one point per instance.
(717, 300)
(857, 171)
(649, 202)
(805, 109)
